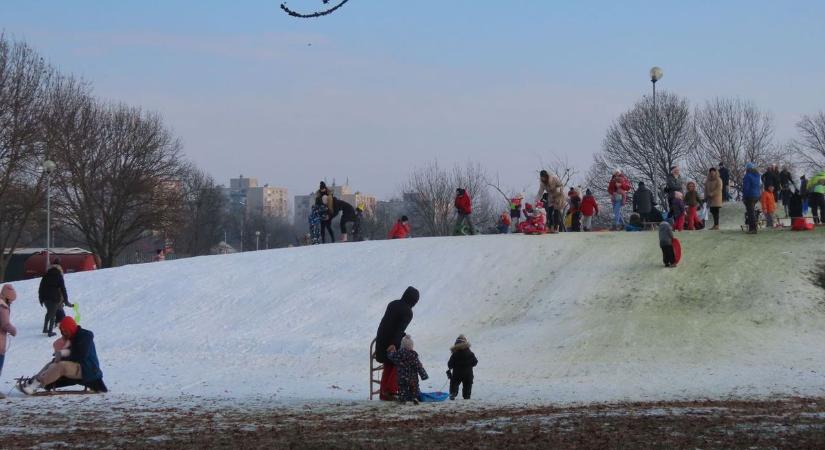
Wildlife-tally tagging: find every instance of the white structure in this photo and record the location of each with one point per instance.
(265, 200)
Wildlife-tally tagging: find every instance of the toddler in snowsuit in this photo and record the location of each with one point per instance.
(315, 217)
(409, 368)
(460, 366)
(666, 243)
(768, 206)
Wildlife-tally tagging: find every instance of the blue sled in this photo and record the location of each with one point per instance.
(433, 396)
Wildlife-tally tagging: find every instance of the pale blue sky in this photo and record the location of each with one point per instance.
(386, 85)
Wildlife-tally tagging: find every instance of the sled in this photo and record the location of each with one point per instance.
(94, 387)
(801, 224)
(432, 396)
(677, 250)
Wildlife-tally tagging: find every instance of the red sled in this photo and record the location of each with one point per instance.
(677, 250)
(801, 224)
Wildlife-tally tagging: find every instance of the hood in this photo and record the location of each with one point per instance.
(410, 296)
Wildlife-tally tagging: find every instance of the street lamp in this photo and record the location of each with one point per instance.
(655, 75)
(257, 239)
(48, 167)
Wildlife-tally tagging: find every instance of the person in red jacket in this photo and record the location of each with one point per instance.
(464, 207)
(401, 229)
(618, 188)
(589, 209)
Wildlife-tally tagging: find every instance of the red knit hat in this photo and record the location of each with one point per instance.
(68, 326)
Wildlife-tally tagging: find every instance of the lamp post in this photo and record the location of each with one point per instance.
(48, 167)
(655, 75)
(257, 240)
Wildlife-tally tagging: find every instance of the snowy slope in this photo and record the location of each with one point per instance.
(567, 318)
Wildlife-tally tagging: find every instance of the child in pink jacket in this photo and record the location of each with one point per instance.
(7, 297)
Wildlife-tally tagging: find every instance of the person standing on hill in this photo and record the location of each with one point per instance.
(666, 244)
(673, 184)
(575, 203)
(52, 294)
(464, 207)
(551, 194)
(788, 185)
(326, 220)
(768, 205)
(714, 195)
(692, 201)
(618, 189)
(391, 330)
(590, 208)
(643, 203)
(460, 368)
(803, 192)
(751, 193)
(724, 175)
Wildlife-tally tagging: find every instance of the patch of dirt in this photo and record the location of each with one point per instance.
(789, 423)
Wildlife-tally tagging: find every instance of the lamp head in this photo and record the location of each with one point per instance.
(656, 74)
(49, 166)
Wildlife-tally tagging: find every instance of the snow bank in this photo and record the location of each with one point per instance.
(566, 318)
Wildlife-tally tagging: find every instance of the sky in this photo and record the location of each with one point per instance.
(380, 87)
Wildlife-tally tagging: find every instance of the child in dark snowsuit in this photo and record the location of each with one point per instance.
(460, 366)
(409, 368)
(316, 215)
(666, 243)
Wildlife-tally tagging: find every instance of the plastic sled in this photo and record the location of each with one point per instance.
(677, 250)
(94, 386)
(433, 396)
(801, 224)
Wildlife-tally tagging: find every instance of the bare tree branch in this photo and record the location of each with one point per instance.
(313, 14)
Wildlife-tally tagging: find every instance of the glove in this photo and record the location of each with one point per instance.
(70, 305)
(449, 374)
(425, 377)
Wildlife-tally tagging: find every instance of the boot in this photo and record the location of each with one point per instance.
(344, 237)
(29, 387)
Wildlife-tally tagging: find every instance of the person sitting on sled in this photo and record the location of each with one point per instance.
(409, 368)
(77, 362)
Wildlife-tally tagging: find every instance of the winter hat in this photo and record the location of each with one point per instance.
(8, 293)
(68, 326)
(749, 166)
(407, 342)
(322, 186)
(461, 343)
(641, 184)
(404, 218)
(587, 192)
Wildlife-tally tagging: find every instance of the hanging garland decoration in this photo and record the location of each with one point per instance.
(315, 14)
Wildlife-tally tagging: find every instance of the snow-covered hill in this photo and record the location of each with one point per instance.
(575, 317)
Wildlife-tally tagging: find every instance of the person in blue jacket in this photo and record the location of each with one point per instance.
(78, 362)
(751, 192)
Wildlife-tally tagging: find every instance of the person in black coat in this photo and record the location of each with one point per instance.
(393, 325)
(347, 215)
(52, 294)
(724, 174)
(643, 202)
(460, 368)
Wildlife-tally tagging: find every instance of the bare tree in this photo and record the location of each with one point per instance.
(118, 171)
(811, 146)
(204, 205)
(433, 192)
(320, 13)
(734, 132)
(24, 77)
(648, 140)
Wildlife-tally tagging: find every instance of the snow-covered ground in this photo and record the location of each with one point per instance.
(576, 317)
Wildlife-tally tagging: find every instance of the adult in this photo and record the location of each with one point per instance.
(401, 229)
(322, 191)
(326, 218)
(357, 232)
(7, 297)
(803, 192)
(391, 330)
(751, 193)
(816, 189)
(643, 203)
(618, 189)
(714, 195)
(552, 195)
(673, 184)
(777, 183)
(788, 186)
(724, 175)
(769, 178)
(347, 216)
(463, 207)
(52, 294)
(78, 362)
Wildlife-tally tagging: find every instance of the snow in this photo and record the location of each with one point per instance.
(568, 318)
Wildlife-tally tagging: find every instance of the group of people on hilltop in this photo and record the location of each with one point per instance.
(402, 366)
(74, 357)
(325, 208)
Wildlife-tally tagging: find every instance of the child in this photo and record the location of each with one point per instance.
(678, 211)
(575, 202)
(692, 201)
(515, 209)
(316, 215)
(503, 225)
(460, 365)
(409, 368)
(768, 205)
(589, 209)
(666, 243)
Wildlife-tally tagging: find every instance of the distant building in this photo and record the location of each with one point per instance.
(303, 203)
(244, 193)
